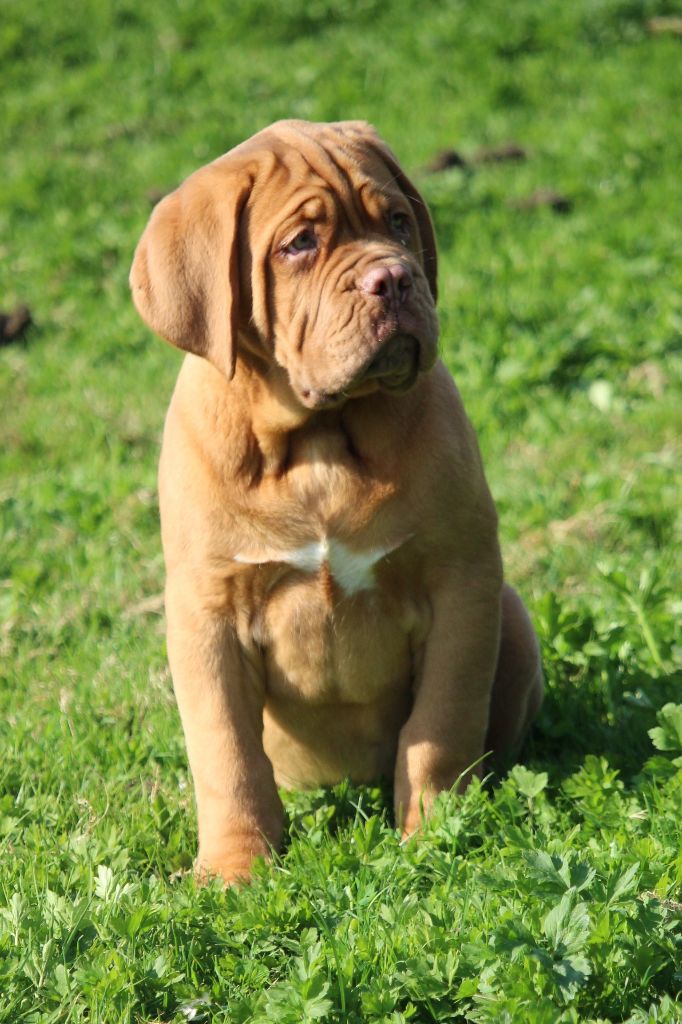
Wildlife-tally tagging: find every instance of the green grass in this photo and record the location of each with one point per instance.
(554, 896)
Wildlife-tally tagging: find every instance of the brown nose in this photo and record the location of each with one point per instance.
(391, 282)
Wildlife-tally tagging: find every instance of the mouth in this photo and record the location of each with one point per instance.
(394, 368)
(396, 364)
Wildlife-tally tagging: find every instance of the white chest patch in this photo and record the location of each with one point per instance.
(353, 571)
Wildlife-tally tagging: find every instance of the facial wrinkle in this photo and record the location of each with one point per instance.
(324, 163)
(316, 157)
(303, 316)
(306, 196)
(332, 283)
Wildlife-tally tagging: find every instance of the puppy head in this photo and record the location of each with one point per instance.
(306, 246)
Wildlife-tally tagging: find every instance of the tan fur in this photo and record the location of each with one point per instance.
(312, 426)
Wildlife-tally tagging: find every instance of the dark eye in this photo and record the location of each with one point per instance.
(305, 241)
(399, 224)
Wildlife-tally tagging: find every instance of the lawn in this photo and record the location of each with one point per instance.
(551, 894)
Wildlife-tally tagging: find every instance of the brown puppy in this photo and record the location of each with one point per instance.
(334, 594)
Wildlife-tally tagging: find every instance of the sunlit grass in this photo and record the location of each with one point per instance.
(553, 896)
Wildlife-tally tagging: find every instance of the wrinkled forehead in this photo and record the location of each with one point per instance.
(327, 171)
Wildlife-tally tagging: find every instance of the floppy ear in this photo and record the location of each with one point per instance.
(185, 273)
(367, 135)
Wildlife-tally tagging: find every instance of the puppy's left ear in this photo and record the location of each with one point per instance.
(368, 136)
(185, 273)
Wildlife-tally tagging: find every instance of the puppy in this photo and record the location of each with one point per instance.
(334, 596)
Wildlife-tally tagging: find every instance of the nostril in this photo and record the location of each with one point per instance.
(391, 281)
(402, 278)
(377, 281)
(404, 286)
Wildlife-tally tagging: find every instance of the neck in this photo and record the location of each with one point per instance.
(281, 425)
(275, 412)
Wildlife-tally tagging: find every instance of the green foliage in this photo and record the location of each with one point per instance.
(668, 736)
(550, 895)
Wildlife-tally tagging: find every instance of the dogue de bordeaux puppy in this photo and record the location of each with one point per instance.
(335, 600)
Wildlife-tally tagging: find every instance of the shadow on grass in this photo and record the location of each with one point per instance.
(579, 719)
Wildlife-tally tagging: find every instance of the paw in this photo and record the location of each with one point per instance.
(411, 826)
(233, 866)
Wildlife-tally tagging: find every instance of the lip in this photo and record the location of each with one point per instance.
(393, 368)
(397, 359)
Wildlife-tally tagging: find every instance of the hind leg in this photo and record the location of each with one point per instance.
(518, 687)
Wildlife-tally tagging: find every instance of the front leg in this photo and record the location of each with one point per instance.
(220, 696)
(443, 740)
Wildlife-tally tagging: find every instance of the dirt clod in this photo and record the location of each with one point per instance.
(14, 325)
(544, 197)
(502, 153)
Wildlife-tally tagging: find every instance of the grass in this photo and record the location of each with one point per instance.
(553, 896)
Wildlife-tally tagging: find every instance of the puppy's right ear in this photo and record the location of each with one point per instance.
(185, 273)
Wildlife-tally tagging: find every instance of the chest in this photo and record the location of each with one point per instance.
(342, 570)
(338, 626)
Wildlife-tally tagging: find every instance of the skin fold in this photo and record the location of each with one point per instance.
(335, 597)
